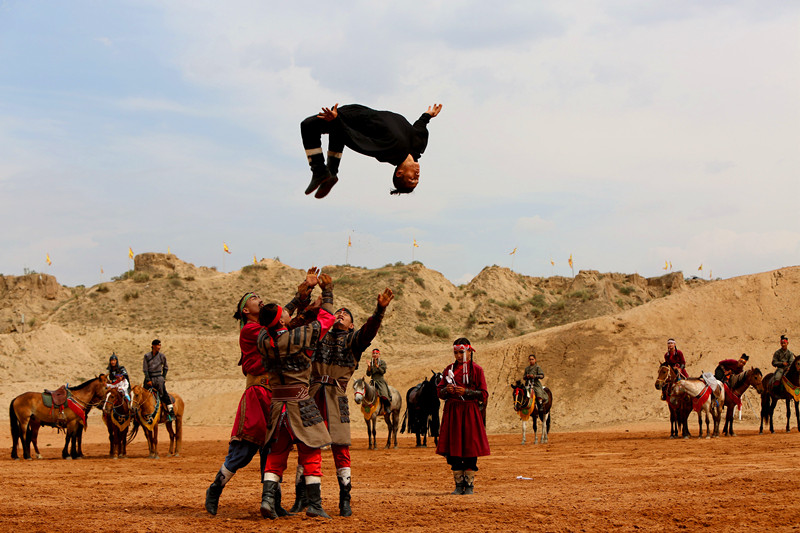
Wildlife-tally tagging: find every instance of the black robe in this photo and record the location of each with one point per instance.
(386, 136)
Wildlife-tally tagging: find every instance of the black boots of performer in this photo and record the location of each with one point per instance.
(215, 489)
(465, 481)
(271, 498)
(343, 475)
(314, 497)
(323, 177)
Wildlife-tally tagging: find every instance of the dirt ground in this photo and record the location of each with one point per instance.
(625, 479)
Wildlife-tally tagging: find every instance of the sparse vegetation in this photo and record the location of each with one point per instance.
(627, 290)
(425, 304)
(102, 289)
(189, 278)
(421, 314)
(582, 294)
(254, 268)
(425, 330)
(141, 277)
(123, 276)
(620, 303)
(511, 322)
(176, 282)
(419, 281)
(447, 308)
(558, 305)
(131, 294)
(441, 332)
(537, 300)
(344, 280)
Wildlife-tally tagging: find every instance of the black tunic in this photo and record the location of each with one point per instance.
(386, 136)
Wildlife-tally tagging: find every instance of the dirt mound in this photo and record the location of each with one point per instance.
(168, 264)
(31, 296)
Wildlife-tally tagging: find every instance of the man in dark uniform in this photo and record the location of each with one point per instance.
(118, 375)
(386, 136)
(155, 374)
(727, 368)
(294, 417)
(533, 377)
(376, 370)
(781, 360)
(332, 366)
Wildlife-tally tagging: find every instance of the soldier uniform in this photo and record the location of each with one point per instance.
(779, 358)
(155, 371)
(533, 376)
(294, 417)
(376, 370)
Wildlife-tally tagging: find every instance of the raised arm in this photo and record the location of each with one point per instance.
(364, 336)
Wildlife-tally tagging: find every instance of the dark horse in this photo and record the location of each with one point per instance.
(117, 415)
(422, 410)
(27, 412)
(525, 406)
(680, 406)
(769, 397)
(739, 384)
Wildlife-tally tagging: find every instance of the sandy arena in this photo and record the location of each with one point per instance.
(625, 479)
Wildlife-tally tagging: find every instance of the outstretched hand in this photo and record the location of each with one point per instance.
(328, 114)
(434, 110)
(311, 276)
(325, 281)
(385, 297)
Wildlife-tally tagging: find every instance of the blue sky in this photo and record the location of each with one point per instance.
(626, 134)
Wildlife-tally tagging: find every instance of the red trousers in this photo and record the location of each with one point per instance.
(309, 458)
(341, 456)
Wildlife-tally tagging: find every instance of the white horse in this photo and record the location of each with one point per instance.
(704, 400)
(366, 396)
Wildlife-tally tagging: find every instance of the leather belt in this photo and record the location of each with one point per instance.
(330, 380)
(252, 380)
(289, 392)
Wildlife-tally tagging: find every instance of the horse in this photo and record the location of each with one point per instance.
(739, 384)
(704, 400)
(679, 405)
(789, 389)
(525, 406)
(28, 412)
(117, 416)
(149, 413)
(422, 410)
(366, 396)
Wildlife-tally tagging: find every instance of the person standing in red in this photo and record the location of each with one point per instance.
(249, 433)
(462, 438)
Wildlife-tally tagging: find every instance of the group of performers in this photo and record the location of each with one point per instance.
(727, 368)
(297, 369)
(155, 369)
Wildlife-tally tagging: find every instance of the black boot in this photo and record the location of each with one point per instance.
(268, 500)
(326, 187)
(319, 171)
(469, 481)
(300, 501)
(313, 493)
(344, 498)
(212, 495)
(278, 509)
(458, 476)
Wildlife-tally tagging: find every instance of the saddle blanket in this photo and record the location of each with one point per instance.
(735, 399)
(710, 380)
(78, 410)
(697, 403)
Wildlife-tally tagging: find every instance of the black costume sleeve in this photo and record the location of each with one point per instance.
(364, 336)
(419, 140)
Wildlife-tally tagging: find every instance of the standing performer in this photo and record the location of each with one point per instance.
(249, 432)
(781, 360)
(462, 438)
(334, 361)
(533, 377)
(376, 370)
(386, 136)
(155, 374)
(294, 417)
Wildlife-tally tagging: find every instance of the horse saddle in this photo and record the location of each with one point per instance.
(57, 397)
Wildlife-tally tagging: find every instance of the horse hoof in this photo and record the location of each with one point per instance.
(39, 456)
(68, 458)
(176, 455)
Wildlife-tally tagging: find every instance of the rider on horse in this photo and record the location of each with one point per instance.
(376, 370)
(286, 350)
(332, 365)
(463, 434)
(727, 368)
(674, 358)
(155, 374)
(781, 360)
(249, 432)
(533, 376)
(117, 375)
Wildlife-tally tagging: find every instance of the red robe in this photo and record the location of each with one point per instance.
(252, 414)
(462, 432)
(677, 359)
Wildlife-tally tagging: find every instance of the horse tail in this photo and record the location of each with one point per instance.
(403, 426)
(132, 434)
(12, 417)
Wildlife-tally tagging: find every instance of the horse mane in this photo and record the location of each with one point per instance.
(84, 384)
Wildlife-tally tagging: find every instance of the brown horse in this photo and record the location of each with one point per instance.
(27, 412)
(149, 413)
(117, 416)
(739, 384)
(788, 389)
(680, 405)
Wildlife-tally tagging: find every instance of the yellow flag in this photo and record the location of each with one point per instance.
(700, 267)
(670, 265)
(254, 259)
(130, 252)
(570, 260)
(513, 251)
(48, 259)
(710, 274)
(225, 248)
(666, 265)
(349, 242)
(167, 250)
(101, 269)
(553, 263)
(415, 244)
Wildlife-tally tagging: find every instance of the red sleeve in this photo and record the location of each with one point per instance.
(326, 321)
(481, 382)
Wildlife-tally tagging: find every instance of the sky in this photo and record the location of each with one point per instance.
(625, 134)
